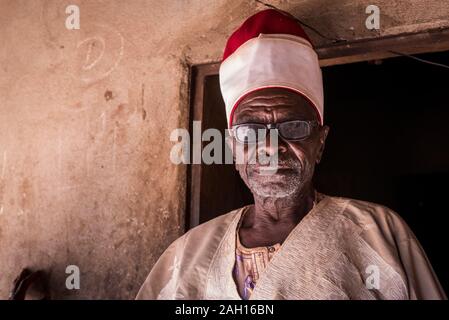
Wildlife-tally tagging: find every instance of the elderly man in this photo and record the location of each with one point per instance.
(293, 242)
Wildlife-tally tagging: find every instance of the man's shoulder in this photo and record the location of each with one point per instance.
(217, 225)
(207, 234)
(363, 206)
(371, 215)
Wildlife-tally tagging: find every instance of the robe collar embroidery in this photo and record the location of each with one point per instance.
(220, 280)
(251, 262)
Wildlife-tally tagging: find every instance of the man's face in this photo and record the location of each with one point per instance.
(296, 159)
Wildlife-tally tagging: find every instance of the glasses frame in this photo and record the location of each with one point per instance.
(270, 126)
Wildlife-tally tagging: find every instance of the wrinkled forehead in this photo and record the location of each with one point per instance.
(286, 104)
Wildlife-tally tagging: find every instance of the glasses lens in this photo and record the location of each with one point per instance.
(295, 130)
(250, 133)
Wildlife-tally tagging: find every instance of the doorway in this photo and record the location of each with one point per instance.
(388, 143)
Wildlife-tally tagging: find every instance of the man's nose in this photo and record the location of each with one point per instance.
(271, 145)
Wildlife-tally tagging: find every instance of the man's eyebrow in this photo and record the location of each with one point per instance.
(247, 115)
(245, 118)
(250, 106)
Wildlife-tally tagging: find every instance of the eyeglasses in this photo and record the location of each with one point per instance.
(295, 130)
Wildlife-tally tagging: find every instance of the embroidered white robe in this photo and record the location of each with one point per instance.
(342, 249)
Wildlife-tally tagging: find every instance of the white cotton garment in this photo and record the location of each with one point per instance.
(342, 249)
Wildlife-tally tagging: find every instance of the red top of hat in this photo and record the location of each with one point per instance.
(268, 21)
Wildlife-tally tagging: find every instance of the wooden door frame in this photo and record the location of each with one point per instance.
(435, 40)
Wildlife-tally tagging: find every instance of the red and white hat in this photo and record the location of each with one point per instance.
(270, 50)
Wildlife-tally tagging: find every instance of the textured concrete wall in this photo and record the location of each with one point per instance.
(85, 119)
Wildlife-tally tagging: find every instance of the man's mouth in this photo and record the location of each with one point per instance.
(273, 169)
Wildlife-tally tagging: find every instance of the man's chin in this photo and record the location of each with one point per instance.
(277, 187)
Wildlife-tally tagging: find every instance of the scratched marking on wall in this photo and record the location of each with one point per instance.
(90, 139)
(99, 55)
(96, 56)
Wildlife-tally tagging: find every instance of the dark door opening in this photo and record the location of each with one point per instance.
(222, 189)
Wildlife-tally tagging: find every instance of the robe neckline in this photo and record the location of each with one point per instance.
(220, 277)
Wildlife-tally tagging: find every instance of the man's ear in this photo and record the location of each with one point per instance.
(323, 135)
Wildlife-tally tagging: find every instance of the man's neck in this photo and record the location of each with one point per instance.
(270, 220)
